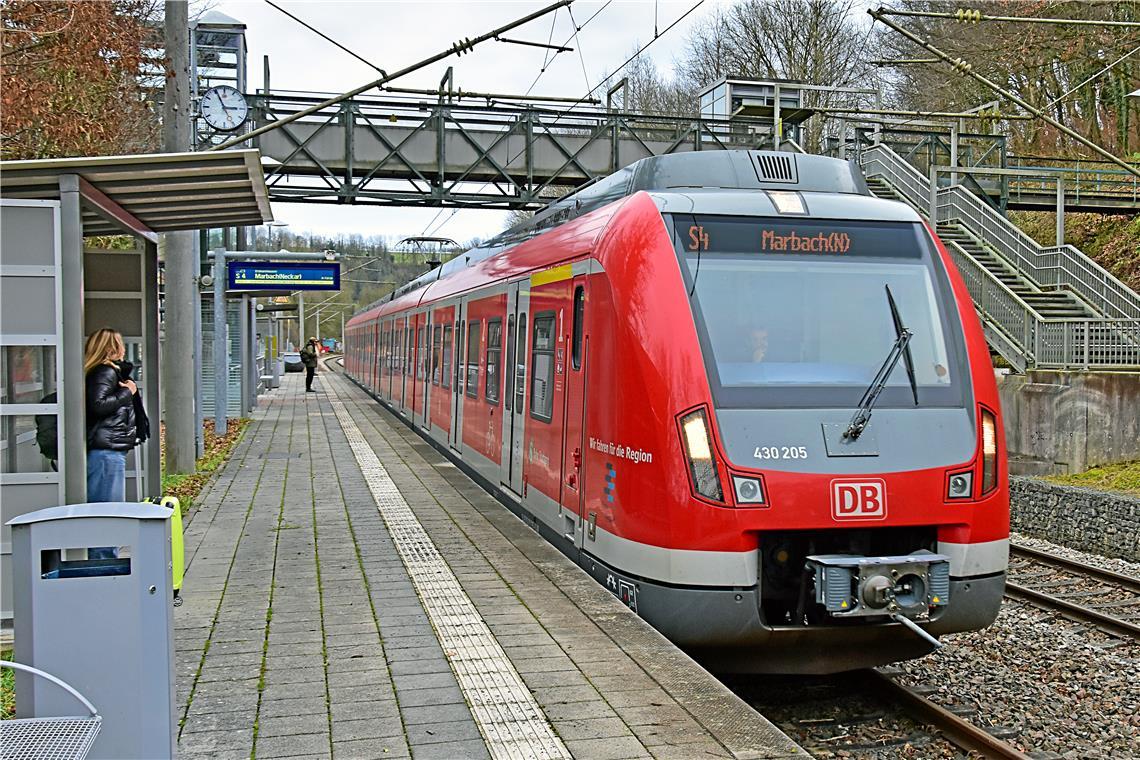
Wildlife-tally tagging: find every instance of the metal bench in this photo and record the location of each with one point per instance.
(56, 738)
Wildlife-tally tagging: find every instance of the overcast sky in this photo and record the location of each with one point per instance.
(393, 34)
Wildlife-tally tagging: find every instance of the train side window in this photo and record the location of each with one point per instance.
(437, 333)
(494, 350)
(579, 327)
(542, 368)
(421, 354)
(445, 370)
(460, 365)
(509, 373)
(409, 336)
(474, 336)
(520, 365)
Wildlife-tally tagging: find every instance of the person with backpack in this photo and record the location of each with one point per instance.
(309, 356)
(111, 422)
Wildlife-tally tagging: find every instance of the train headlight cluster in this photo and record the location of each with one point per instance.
(698, 449)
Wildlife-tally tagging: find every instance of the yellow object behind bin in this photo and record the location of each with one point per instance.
(177, 550)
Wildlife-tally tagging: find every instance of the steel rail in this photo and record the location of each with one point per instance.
(958, 731)
(1076, 612)
(1130, 582)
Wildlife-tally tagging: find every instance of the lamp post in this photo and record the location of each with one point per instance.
(269, 233)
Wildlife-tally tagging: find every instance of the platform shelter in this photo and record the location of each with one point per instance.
(54, 289)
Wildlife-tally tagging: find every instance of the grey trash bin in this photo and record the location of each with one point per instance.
(105, 626)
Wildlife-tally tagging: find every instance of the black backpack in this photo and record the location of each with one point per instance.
(47, 430)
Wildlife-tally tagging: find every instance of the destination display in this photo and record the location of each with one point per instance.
(271, 275)
(799, 237)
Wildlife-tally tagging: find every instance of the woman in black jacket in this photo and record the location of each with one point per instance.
(111, 431)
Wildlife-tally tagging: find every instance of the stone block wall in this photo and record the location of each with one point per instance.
(1080, 518)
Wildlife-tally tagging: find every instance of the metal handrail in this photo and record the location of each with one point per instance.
(999, 305)
(1048, 267)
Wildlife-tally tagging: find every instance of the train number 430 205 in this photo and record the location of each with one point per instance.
(780, 452)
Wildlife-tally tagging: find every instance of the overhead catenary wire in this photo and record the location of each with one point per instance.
(547, 60)
(1100, 73)
(967, 69)
(325, 37)
(458, 48)
(590, 92)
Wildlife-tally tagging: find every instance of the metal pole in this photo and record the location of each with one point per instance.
(221, 353)
(966, 69)
(73, 422)
(458, 48)
(178, 380)
(1060, 211)
(152, 398)
(953, 153)
(301, 315)
(934, 197)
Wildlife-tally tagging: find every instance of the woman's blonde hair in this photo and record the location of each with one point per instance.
(102, 347)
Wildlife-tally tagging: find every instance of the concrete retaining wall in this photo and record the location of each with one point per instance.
(1058, 423)
(1080, 518)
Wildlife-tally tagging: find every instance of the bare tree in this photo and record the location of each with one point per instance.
(1039, 62)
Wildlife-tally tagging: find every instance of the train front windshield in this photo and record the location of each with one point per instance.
(796, 312)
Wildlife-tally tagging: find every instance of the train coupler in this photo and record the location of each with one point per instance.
(910, 585)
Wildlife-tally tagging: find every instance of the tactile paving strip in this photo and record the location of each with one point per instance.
(512, 724)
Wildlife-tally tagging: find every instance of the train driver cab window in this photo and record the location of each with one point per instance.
(445, 369)
(494, 350)
(542, 368)
(435, 350)
(579, 315)
(474, 333)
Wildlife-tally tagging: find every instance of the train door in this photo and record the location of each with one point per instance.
(417, 377)
(514, 394)
(374, 386)
(574, 409)
(459, 358)
(401, 357)
(427, 360)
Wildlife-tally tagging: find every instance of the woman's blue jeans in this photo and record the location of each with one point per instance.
(106, 481)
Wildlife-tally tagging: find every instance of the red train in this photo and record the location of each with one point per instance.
(748, 397)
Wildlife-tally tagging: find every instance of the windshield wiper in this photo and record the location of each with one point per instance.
(862, 415)
(908, 360)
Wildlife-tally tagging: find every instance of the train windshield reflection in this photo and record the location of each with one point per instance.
(813, 323)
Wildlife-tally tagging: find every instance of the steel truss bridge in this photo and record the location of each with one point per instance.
(396, 151)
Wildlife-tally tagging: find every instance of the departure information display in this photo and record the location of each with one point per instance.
(272, 275)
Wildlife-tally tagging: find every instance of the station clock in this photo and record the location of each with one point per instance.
(224, 108)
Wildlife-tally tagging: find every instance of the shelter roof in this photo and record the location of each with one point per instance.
(160, 192)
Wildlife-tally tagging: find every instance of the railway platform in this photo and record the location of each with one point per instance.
(350, 593)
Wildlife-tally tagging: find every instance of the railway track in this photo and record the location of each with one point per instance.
(1110, 602)
(868, 714)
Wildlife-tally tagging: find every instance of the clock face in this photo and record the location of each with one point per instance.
(224, 108)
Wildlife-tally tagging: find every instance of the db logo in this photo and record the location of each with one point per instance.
(859, 499)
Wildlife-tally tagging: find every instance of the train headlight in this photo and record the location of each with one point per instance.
(748, 490)
(989, 451)
(698, 450)
(961, 485)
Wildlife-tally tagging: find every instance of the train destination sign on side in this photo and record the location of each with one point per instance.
(273, 275)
